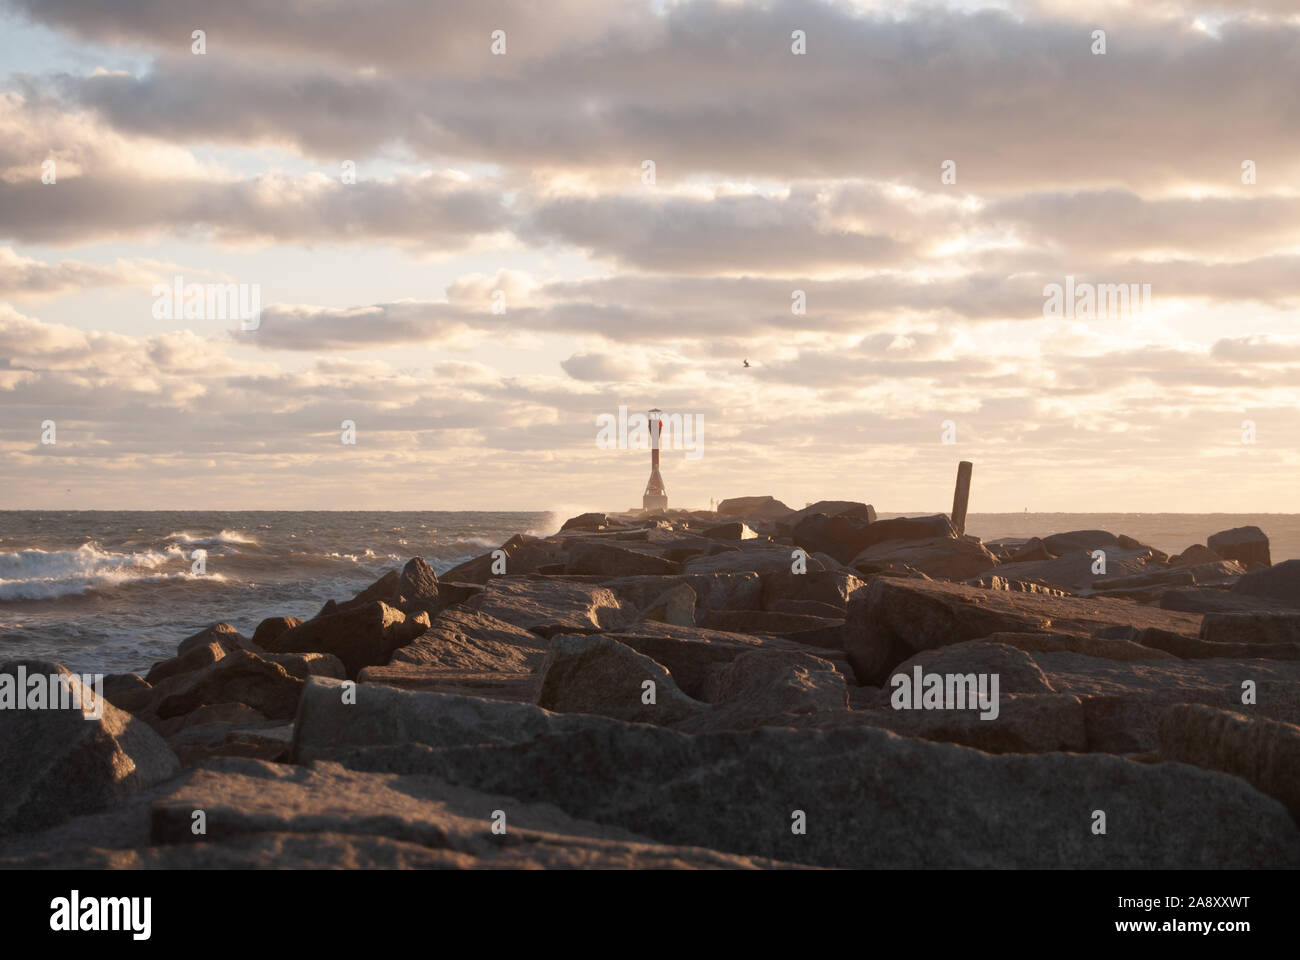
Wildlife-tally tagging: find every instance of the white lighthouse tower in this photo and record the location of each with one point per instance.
(656, 497)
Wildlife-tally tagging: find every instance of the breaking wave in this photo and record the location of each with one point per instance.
(43, 575)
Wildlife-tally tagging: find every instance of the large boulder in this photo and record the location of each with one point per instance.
(304, 665)
(1123, 700)
(128, 691)
(713, 591)
(359, 636)
(586, 521)
(694, 654)
(270, 628)
(754, 508)
(388, 717)
(382, 590)
(905, 802)
(1016, 670)
(1026, 723)
(1196, 648)
(1253, 628)
(766, 687)
(761, 559)
(222, 633)
(417, 588)
(1032, 550)
(1264, 753)
(548, 607)
(60, 763)
(845, 537)
(474, 642)
(813, 631)
(1194, 555)
(894, 618)
(1160, 578)
(586, 674)
(522, 555)
(1279, 584)
(675, 605)
(831, 508)
(1079, 540)
(594, 557)
(199, 743)
(195, 658)
(239, 677)
(1078, 570)
(1248, 545)
(945, 557)
(832, 587)
(263, 815)
(466, 652)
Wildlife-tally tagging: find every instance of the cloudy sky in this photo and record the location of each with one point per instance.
(501, 273)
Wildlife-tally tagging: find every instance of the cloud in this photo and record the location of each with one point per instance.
(431, 212)
(1015, 101)
(22, 276)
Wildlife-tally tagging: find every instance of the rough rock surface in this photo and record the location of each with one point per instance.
(1249, 545)
(547, 608)
(895, 618)
(737, 793)
(59, 763)
(584, 674)
(360, 636)
(1264, 753)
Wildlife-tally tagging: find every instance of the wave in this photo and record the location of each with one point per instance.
(45, 575)
(225, 536)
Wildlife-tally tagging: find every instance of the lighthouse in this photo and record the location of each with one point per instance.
(656, 497)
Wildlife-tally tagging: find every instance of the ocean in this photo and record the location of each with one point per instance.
(113, 592)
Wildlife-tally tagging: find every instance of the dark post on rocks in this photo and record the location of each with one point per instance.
(960, 497)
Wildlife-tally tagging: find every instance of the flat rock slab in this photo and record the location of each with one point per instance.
(406, 820)
(1253, 628)
(1026, 723)
(471, 641)
(692, 654)
(329, 727)
(548, 607)
(760, 560)
(1280, 583)
(894, 618)
(496, 684)
(873, 799)
(610, 560)
(713, 591)
(1123, 701)
(1264, 753)
(1215, 600)
(1073, 570)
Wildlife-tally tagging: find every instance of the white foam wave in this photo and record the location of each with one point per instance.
(200, 539)
(46, 574)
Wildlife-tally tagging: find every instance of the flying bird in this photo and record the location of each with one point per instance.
(746, 363)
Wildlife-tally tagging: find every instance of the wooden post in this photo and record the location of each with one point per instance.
(961, 496)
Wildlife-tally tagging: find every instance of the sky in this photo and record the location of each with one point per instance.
(473, 246)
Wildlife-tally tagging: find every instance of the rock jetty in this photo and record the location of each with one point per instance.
(752, 688)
